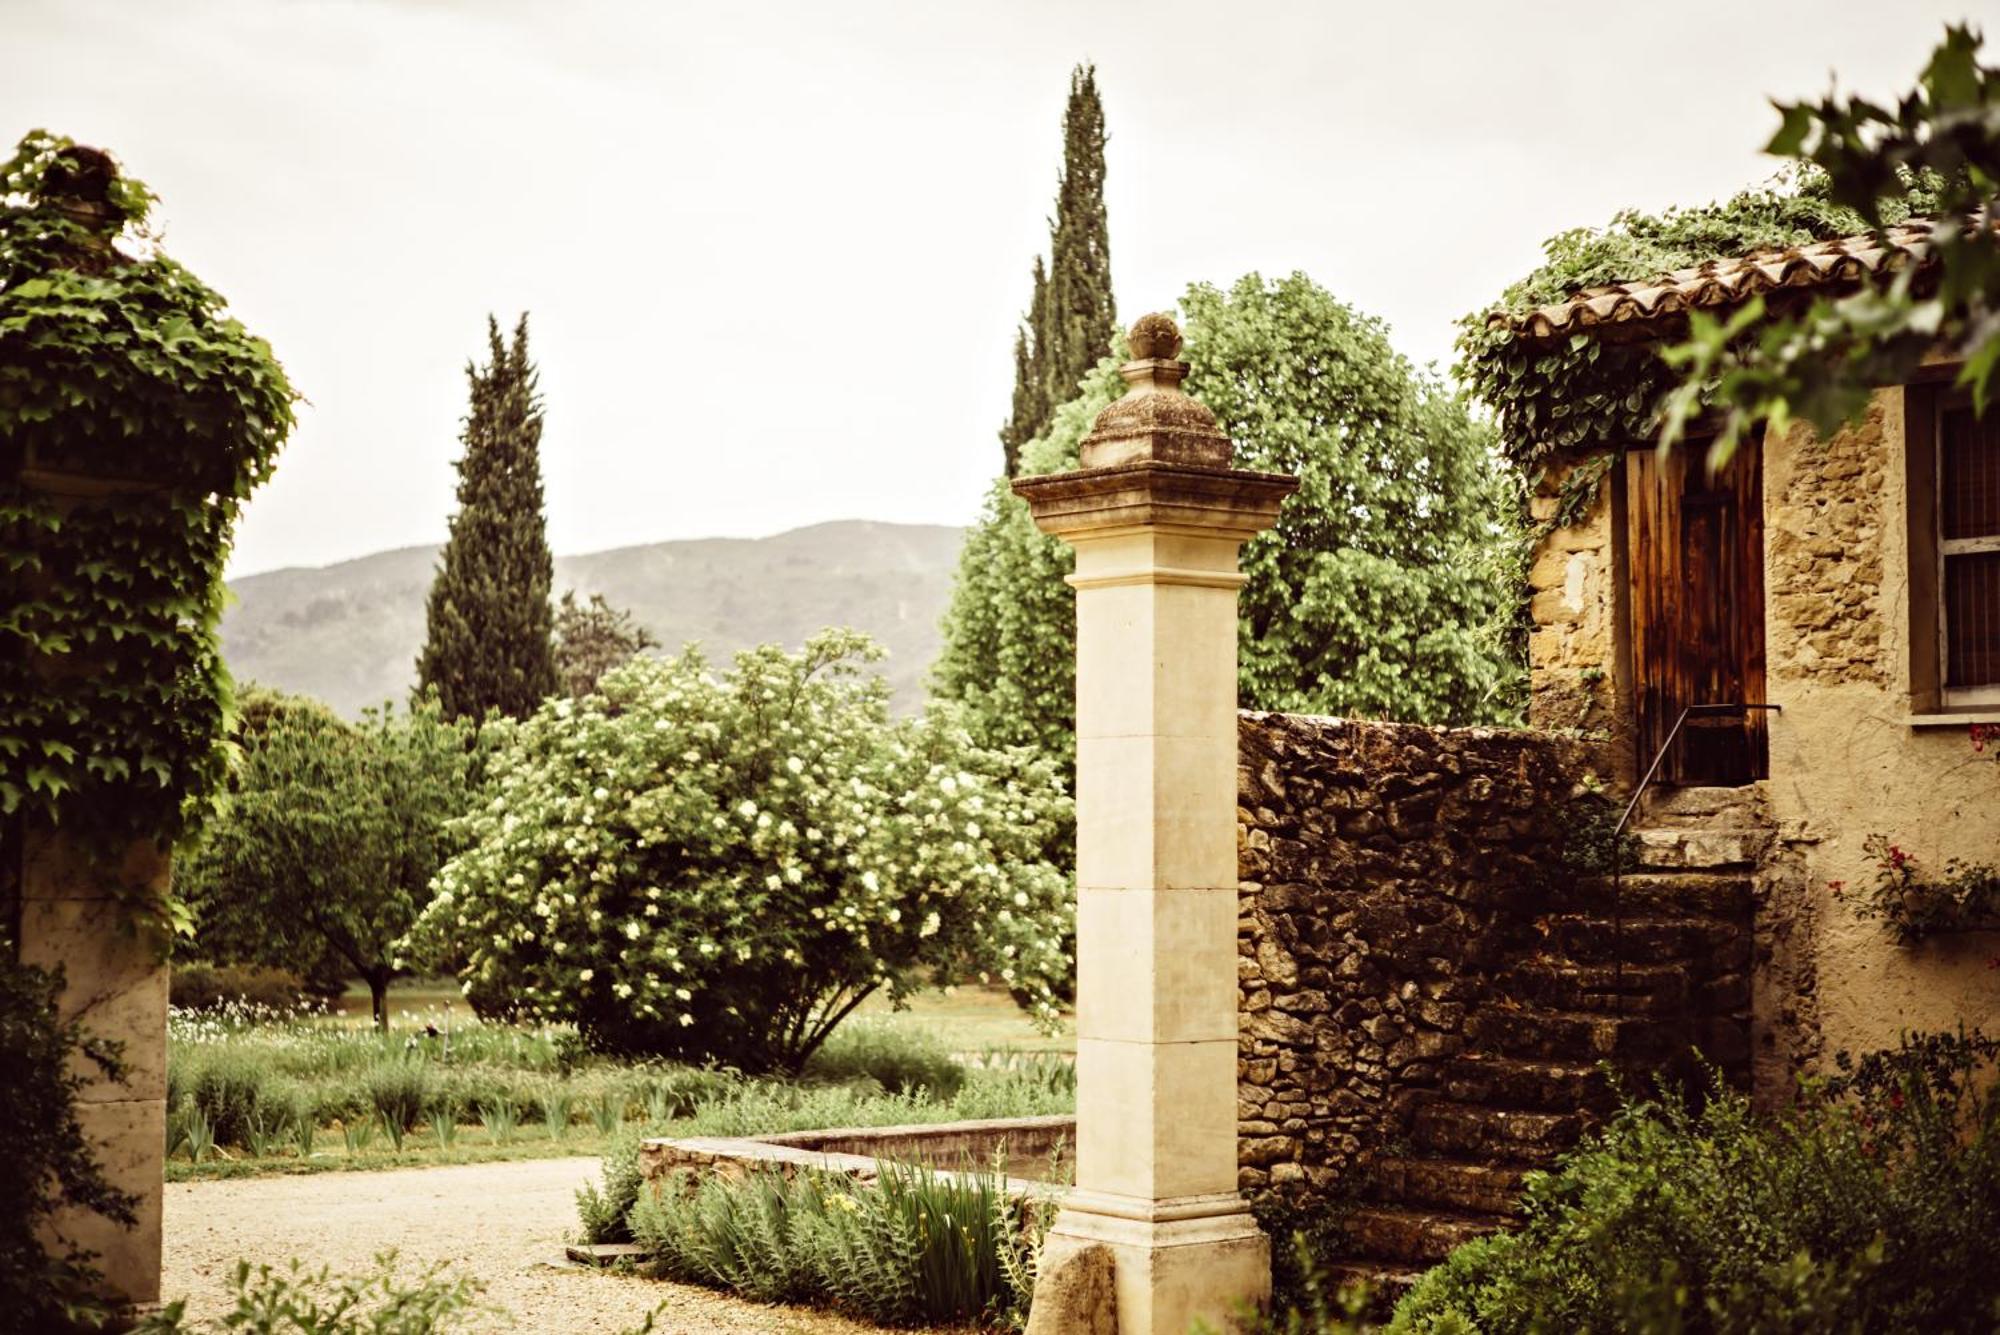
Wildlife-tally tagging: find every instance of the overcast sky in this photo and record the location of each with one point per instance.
(775, 253)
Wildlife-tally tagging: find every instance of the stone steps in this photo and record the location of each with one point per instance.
(1448, 1184)
(1386, 1282)
(1496, 1135)
(1696, 850)
(1413, 1237)
(1512, 1082)
(1571, 1036)
(1703, 809)
(1637, 989)
(1533, 1077)
(1680, 893)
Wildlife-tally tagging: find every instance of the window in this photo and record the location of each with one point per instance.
(1968, 555)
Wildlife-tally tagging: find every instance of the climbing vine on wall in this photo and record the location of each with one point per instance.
(135, 418)
(1581, 392)
(1914, 903)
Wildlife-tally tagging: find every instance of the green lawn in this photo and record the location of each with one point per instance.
(235, 1082)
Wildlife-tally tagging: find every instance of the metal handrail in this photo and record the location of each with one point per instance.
(1618, 833)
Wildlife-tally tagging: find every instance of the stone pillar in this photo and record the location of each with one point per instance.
(115, 985)
(1157, 516)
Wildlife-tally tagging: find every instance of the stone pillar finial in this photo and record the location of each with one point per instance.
(1155, 420)
(1157, 516)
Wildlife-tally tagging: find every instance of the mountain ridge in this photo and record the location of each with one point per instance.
(349, 632)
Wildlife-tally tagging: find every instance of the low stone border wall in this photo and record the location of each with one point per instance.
(860, 1152)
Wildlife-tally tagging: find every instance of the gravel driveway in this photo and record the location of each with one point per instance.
(502, 1222)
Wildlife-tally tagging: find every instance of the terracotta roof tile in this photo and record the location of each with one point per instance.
(1724, 282)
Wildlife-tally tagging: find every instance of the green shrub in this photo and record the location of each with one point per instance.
(204, 987)
(1872, 1206)
(719, 866)
(605, 1213)
(299, 1301)
(402, 1091)
(901, 1060)
(229, 1084)
(913, 1247)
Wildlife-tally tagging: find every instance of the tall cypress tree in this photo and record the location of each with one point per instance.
(1031, 401)
(488, 644)
(1071, 317)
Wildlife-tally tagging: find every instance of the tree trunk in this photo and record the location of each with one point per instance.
(378, 995)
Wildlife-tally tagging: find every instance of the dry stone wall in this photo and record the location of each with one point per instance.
(1824, 542)
(1435, 979)
(1388, 873)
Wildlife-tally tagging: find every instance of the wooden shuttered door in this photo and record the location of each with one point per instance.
(1695, 548)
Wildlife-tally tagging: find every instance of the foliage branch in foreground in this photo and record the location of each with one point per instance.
(723, 867)
(116, 363)
(1937, 151)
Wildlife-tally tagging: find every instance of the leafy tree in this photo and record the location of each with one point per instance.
(723, 867)
(329, 836)
(593, 638)
(1938, 150)
(488, 642)
(1383, 591)
(48, 1165)
(1072, 319)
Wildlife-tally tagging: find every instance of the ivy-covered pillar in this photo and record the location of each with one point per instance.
(1157, 517)
(135, 417)
(74, 917)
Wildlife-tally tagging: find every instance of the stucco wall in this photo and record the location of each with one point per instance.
(1845, 759)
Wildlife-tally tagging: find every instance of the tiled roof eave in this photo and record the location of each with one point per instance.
(1633, 308)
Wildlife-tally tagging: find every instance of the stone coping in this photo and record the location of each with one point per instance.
(861, 1152)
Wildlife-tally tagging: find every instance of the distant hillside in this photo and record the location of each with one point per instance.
(349, 633)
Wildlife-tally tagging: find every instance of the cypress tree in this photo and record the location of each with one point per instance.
(488, 644)
(1031, 403)
(1081, 320)
(1071, 317)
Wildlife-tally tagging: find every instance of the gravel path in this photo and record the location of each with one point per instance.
(503, 1223)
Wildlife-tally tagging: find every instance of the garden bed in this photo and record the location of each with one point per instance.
(1035, 1151)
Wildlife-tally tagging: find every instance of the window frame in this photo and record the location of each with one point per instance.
(1943, 549)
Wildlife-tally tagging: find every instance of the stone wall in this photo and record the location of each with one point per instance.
(1576, 679)
(1388, 873)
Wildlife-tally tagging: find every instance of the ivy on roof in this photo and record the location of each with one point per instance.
(1581, 393)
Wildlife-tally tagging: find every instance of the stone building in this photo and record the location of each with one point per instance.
(1436, 977)
(1854, 583)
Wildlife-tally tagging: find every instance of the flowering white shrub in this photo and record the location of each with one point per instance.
(722, 867)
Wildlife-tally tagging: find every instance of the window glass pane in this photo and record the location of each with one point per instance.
(1969, 505)
(1972, 625)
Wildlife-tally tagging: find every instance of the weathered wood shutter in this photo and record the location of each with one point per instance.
(1696, 554)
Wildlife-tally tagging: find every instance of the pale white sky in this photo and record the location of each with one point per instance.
(775, 253)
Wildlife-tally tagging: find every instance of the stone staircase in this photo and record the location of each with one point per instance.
(1634, 984)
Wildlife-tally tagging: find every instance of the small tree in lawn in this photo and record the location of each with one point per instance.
(328, 837)
(488, 645)
(592, 638)
(722, 867)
